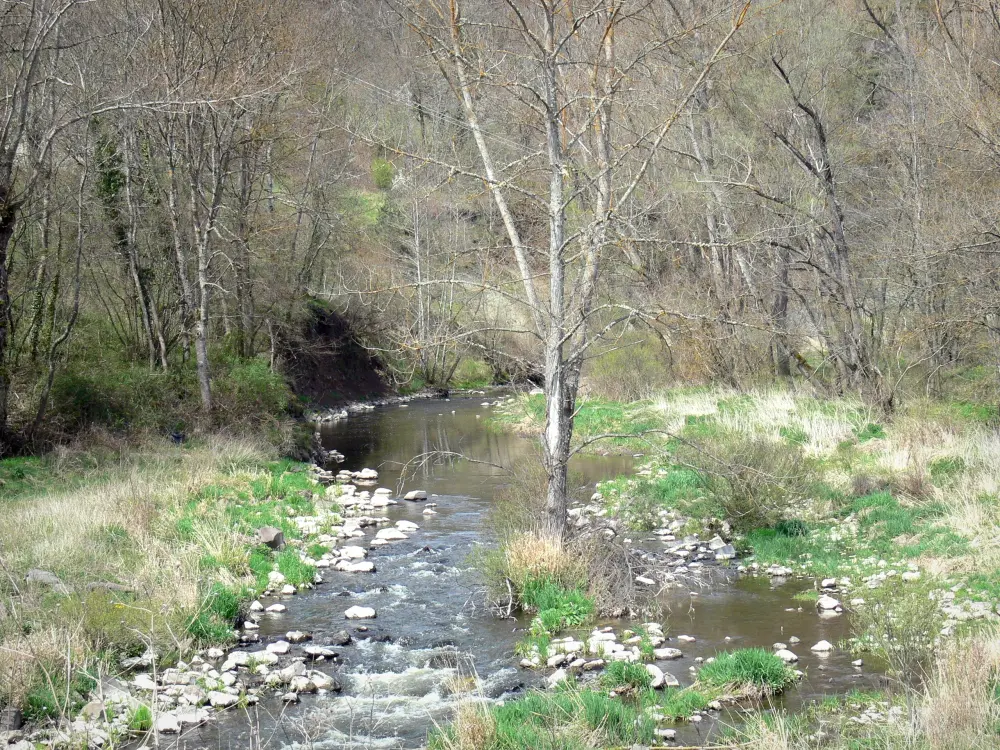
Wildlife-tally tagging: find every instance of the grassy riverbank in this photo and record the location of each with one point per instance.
(903, 513)
(154, 550)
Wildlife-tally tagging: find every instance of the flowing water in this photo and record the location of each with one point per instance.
(404, 674)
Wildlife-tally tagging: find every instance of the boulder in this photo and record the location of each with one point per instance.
(323, 681)
(217, 699)
(391, 535)
(827, 603)
(823, 647)
(275, 579)
(279, 647)
(360, 613)
(340, 638)
(667, 654)
(271, 536)
(414, 495)
(406, 526)
(167, 724)
(320, 652)
(554, 679)
(656, 675)
(725, 553)
(297, 636)
(786, 656)
(354, 553)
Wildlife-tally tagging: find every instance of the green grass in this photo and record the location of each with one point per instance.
(557, 607)
(752, 671)
(568, 719)
(140, 719)
(623, 675)
(681, 703)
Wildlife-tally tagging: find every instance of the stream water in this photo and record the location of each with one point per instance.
(400, 676)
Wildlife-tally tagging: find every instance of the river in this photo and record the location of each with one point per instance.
(405, 672)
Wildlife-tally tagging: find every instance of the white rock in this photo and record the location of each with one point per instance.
(557, 677)
(826, 603)
(911, 575)
(297, 636)
(823, 647)
(415, 495)
(667, 654)
(645, 581)
(786, 656)
(222, 700)
(167, 724)
(275, 578)
(288, 589)
(279, 647)
(406, 526)
(685, 638)
(829, 583)
(390, 535)
(276, 609)
(256, 606)
(360, 613)
(657, 676)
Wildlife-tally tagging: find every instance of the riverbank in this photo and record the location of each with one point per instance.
(117, 559)
(895, 524)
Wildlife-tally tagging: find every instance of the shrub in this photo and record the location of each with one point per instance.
(899, 623)
(635, 370)
(383, 173)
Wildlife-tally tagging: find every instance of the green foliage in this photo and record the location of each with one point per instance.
(295, 570)
(625, 675)
(472, 373)
(21, 475)
(557, 607)
(140, 719)
(680, 488)
(794, 435)
(946, 468)
(899, 623)
(633, 371)
(680, 703)
(793, 527)
(747, 670)
(248, 390)
(569, 719)
(870, 431)
(383, 173)
(53, 696)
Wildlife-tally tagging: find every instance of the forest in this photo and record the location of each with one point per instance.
(749, 244)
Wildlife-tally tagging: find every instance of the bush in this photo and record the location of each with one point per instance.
(635, 370)
(899, 623)
(383, 173)
(472, 373)
(628, 676)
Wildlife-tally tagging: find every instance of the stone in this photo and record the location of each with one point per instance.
(794, 639)
(360, 613)
(657, 676)
(323, 681)
(779, 646)
(725, 553)
(320, 652)
(555, 661)
(288, 589)
(645, 581)
(391, 535)
(276, 609)
(279, 647)
(217, 699)
(560, 675)
(823, 647)
(275, 578)
(144, 682)
(290, 697)
(297, 636)
(293, 670)
(406, 526)
(415, 495)
(256, 606)
(340, 638)
(685, 638)
(670, 681)
(271, 536)
(716, 543)
(786, 656)
(911, 575)
(827, 603)
(667, 654)
(828, 583)
(167, 724)
(354, 553)
(302, 685)
(667, 734)
(363, 566)
(93, 710)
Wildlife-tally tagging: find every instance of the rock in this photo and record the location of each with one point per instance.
(290, 697)
(320, 652)
(302, 685)
(685, 638)
(725, 553)
(667, 734)
(256, 606)
(340, 638)
(415, 495)
(670, 681)
(794, 639)
(167, 724)
(297, 636)
(823, 647)
(275, 579)
(657, 676)
(93, 710)
(276, 609)
(279, 647)
(293, 670)
(667, 654)
(360, 613)
(406, 526)
(323, 681)
(826, 603)
(46, 578)
(858, 663)
(288, 589)
(779, 646)
(560, 675)
(716, 543)
(215, 653)
(271, 536)
(222, 700)
(144, 682)
(363, 566)
(828, 583)
(645, 581)
(391, 535)
(786, 656)
(911, 575)
(354, 553)
(555, 661)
